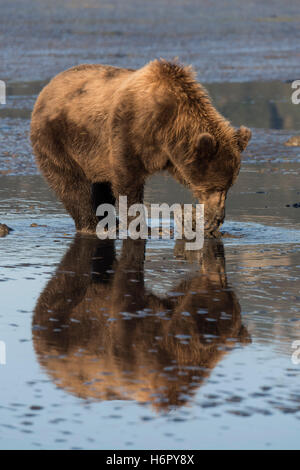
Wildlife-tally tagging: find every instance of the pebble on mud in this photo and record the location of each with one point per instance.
(37, 225)
(293, 141)
(4, 230)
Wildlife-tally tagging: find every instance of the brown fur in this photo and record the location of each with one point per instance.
(100, 124)
(129, 337)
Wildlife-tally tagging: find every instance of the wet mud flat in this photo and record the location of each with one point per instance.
(151, 346)
(240, 41)
(147, 346)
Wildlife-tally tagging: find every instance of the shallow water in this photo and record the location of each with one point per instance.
(135, 347)
(180, 350)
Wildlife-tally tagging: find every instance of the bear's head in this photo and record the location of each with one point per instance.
(219, 163)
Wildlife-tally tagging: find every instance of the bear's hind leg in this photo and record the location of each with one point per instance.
(74, 190)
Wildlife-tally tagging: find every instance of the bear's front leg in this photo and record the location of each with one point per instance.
(129, 183)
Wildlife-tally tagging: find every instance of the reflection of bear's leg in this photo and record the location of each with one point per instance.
(68, 286)
(129, 277)
(73, 189)
(103, 260)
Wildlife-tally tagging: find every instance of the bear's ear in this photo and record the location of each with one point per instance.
(243, 135)
(206, 144)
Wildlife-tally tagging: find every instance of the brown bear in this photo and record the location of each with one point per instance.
(100, 331)
(99, 131)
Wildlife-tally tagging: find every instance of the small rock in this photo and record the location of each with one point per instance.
(37, 225)
(4, 230)
(231, 235)
(293, 141)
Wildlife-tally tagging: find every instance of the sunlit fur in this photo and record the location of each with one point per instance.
(99, 131)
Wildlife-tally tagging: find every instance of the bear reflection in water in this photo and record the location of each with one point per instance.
(101, 334)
